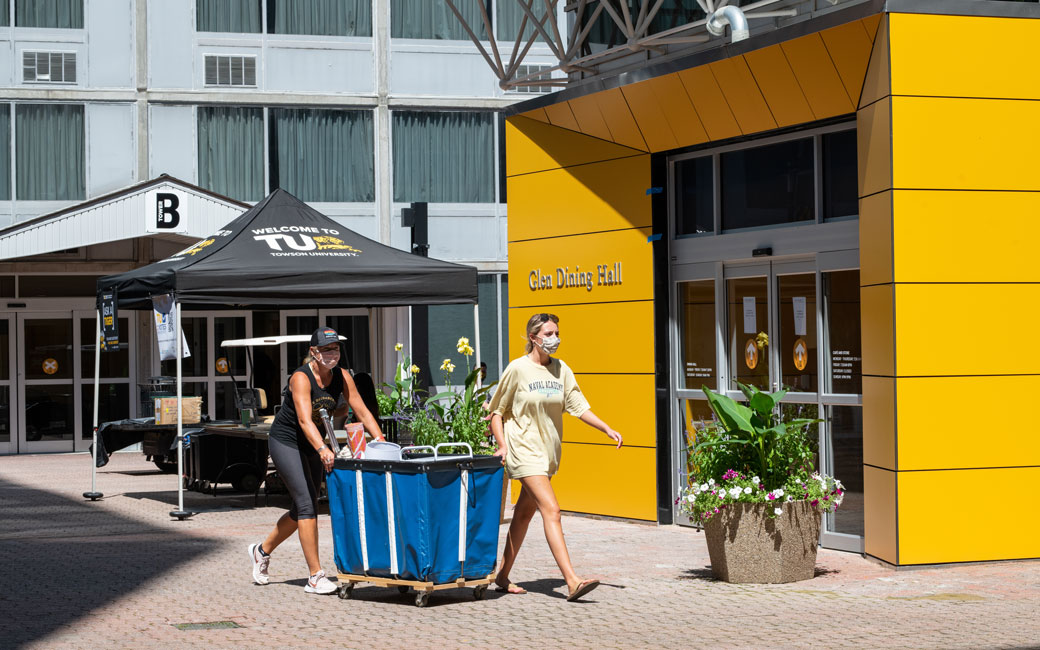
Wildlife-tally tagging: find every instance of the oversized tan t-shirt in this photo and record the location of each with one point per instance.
(531, 399)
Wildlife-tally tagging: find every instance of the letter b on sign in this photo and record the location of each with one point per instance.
(166, 215)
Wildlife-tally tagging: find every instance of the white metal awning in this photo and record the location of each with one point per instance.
(164, 207)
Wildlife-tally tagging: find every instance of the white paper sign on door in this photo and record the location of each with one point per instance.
(750, 315)
(799, 315)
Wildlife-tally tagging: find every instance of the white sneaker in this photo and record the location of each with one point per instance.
(319, 584)
(260, 563)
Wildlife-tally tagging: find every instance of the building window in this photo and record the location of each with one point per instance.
(5, 13)
(323, 155)
(57, 14)
(508, 16)
(50, 154)
(763, 185)
(533, 86)
(231, 151)
(320, 17)
(766, 186)
(435, 20)
(447, 323)
(236, 16)
(694, 207)
(443, 157)
(5, 152)
(840, 188)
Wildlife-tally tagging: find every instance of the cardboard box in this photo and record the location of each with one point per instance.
(166, 410)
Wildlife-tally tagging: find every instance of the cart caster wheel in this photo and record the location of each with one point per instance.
(422, 598)
(402, 589)
(344, 590)
(479, 591)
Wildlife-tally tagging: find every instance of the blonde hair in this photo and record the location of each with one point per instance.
(534, 324)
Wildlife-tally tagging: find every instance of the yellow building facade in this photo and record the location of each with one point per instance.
(640, 214)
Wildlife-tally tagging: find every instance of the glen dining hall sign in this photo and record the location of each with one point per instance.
(603, 275)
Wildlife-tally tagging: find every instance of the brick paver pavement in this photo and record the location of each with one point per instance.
(121, 573)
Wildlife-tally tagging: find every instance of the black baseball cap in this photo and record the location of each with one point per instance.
(324, 336)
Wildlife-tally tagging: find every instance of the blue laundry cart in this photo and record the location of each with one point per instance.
(425, 522)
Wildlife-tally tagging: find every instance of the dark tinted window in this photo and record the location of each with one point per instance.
(839, 175)
(693, 196)
(768, 185)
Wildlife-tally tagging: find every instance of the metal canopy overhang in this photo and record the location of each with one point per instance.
(123, 214)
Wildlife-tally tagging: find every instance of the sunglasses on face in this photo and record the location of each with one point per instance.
(545, 318)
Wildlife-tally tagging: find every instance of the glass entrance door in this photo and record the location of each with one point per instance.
(115, 391)
(8, 419)
(763, 324)
(46, 367)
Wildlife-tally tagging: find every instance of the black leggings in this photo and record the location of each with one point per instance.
(301, 472)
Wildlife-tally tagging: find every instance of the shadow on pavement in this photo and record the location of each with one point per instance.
(64, 558)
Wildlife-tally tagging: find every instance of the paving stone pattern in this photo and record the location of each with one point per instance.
(120, 573)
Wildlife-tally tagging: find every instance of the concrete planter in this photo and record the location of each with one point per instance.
(745, 545)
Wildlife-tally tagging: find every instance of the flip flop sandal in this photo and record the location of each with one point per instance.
(585, 587)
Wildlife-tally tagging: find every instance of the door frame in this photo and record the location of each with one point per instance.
(25, 445)
(14, 418)
(85, 375)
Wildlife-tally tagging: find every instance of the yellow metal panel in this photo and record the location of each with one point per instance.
(743, 95)
(880, 537)
(877, 303)
(602, 480)
(710, 103)
(532, 146)
(587, 332)
(925, 442)
(587, 198)
(870, 24)
(875, 238)
(954, 143)
(874, 147)
(879, 422)
(779, 86)
(590, 121)
(959, 248)
(817, 76)
(679, 110)
(930, 56)
(877, 82)
(950, 517)
(625, 402)
(599, 267)
(649, 116)
(536, 114)
(964, 329)
(618, 116)
(560, 115)
(849, 47)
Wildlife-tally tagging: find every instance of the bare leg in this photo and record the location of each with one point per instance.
(522, 514)
(540, 491)
(308, 532)
(285, 527)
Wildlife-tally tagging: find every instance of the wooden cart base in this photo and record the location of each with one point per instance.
(422, 589)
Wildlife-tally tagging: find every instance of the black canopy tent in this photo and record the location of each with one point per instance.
(283, 252)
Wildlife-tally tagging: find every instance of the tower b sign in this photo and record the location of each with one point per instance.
(165, 211)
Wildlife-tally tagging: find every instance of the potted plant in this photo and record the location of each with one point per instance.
(399, 401)
(453, 415)
(754, 490)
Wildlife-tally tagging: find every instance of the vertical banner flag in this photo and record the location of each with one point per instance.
(165, 328)
(109, 322)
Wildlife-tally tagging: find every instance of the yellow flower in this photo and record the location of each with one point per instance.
(762, 340)
(451, 367)
(445, 364)
(399, 346)
(462, 341)
(466, 350)
(414, 369)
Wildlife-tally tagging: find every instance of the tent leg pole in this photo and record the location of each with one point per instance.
(94, 495)
(476, 341)
(180, 513)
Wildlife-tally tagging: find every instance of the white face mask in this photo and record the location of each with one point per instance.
(550, 343)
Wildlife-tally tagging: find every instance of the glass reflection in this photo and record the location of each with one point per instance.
(797, 344)
(113, 364)
(842, 312)
(697, 333)
(845, 430)
(48, 412)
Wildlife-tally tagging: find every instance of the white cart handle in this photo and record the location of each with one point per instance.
(404, 450)
(469, 449)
